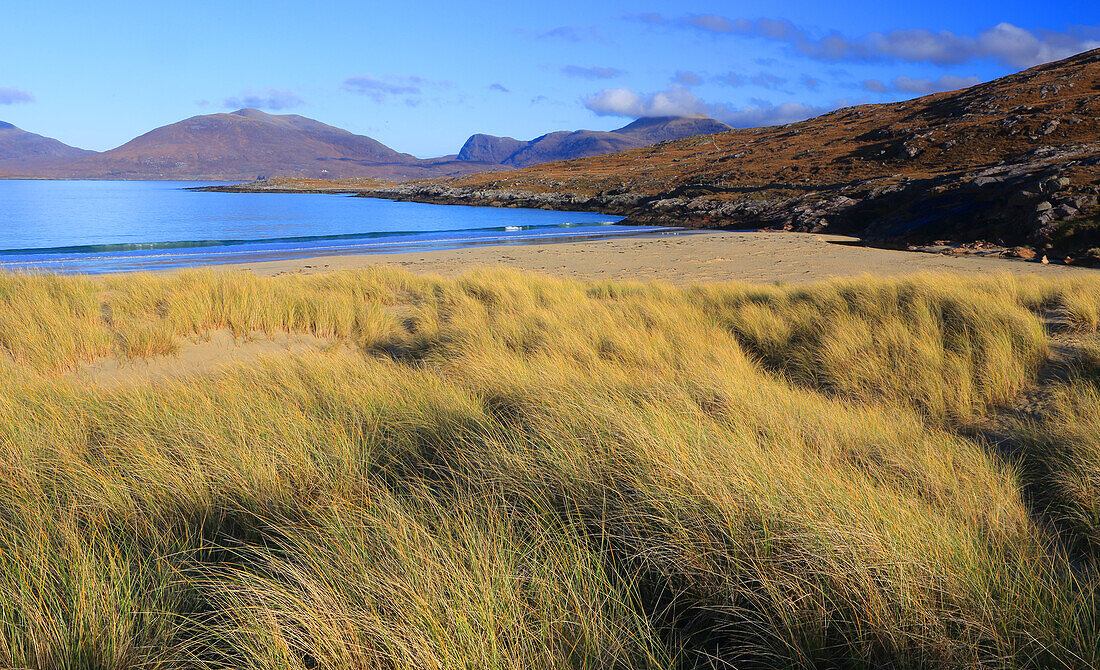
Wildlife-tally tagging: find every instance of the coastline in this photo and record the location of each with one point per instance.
(695, 207)
(710, 256)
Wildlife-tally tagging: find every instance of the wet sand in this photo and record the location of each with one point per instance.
(683, 259)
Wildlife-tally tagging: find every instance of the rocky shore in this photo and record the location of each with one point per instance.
(1023, 209)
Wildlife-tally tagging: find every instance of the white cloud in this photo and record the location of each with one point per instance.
(764, 113)
(381, 89)
(1006, 43)
(569, 34)
(687, 78)
(266, 99)
(924, 86)
(678, 101)
(595, 72)
(14, 96)
(921, 85)
(768, 80)
(711, 23)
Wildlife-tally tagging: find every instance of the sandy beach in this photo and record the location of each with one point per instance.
(683, 259)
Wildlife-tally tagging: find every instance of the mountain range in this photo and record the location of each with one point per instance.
(563, 145)
(248, 143)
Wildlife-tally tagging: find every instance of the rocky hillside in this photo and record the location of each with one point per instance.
(1014, 162)
(563, 145)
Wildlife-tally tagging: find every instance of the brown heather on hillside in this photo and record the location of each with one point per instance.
(1010, 162)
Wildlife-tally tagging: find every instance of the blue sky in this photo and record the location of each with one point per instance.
(424, 76)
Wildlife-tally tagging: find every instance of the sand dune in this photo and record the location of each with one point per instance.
(212, 352)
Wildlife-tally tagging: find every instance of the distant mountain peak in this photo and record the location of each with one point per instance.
(564, 145)
(24, 153)
(663, 120)
(252, 113)
(483, 148)
(242, 144)
(668, 118)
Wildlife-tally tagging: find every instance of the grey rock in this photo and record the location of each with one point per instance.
(1054, 184)
(1082, 202)
(1065, 212)
(909, 151)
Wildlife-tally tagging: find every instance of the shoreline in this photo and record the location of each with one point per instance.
(676, 209)
(693, 257)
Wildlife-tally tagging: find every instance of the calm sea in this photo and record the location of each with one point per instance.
(119, 226)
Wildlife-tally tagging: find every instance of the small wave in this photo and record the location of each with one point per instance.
(82, 249)
(123, 262)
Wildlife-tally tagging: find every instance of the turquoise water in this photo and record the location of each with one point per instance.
(120, 226)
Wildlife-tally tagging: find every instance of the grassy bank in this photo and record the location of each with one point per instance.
(510, 471)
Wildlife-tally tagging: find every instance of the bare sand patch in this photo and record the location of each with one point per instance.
(201, 355)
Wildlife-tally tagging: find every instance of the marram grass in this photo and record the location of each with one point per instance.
(509, 471)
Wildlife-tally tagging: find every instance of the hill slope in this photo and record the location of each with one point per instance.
(242, 144)
(1015, 161)
(22, 150)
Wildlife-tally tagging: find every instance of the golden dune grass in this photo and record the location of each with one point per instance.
(505, 470)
